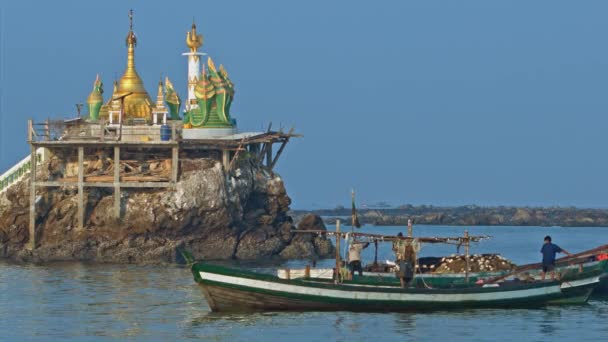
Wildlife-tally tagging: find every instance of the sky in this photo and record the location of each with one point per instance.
(422, 102)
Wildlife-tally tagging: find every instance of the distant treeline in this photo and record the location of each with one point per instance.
(469, 215)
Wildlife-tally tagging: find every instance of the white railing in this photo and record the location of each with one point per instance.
(20, 170)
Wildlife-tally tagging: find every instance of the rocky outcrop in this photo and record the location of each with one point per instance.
(213, 215)
(471, 215)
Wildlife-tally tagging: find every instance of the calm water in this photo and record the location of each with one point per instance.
(95, 302)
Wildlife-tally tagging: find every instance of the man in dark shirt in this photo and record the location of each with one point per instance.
(549, 250)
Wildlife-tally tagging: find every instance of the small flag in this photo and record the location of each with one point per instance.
(354, 216)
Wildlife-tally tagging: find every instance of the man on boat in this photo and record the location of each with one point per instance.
(405, 251)
(549, 250)
(354, 257)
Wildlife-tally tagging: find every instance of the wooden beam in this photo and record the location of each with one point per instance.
(55, 184)
(107, 184)
(276, 157)
(236, 155)
(174, 163)
(260, 156)
(32, 230)
(269, 155)
(117, 182)
(226, 159)
(147, 185)
(80, 187)
(30, 130)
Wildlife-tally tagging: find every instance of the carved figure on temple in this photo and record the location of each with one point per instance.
(95, 99)
(172, 99)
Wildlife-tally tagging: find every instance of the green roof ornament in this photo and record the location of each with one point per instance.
(95, 99)
(172, 99)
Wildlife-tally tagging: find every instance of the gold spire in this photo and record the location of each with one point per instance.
(193, 40)
(160, 98)
(115, 103)
(139, 103)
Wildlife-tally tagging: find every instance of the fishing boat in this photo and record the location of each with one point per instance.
(229, 289)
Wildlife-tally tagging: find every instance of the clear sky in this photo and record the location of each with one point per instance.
(423, 102)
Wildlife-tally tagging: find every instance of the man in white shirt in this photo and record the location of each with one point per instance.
(354, 257)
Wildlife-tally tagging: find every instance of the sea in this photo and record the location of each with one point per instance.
(98, 302)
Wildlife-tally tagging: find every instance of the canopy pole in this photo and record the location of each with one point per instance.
(466, 251)
(376, 253)
(410, 232)
(338, 266)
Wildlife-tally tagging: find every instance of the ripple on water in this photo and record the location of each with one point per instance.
(88, 302)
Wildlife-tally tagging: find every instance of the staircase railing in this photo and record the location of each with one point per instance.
(20, 170)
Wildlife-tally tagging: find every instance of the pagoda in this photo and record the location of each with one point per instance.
(137, 103)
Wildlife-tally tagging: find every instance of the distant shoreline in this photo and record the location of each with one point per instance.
(470, 215)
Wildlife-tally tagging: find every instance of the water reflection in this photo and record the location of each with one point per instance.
(126, 302)
(548, 326)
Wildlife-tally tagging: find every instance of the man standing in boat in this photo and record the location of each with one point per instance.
(549, 250)
(405, 251)
(354, 257)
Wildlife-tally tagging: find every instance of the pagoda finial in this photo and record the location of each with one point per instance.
(193, 40)
(131, 19)
(160, 98)
(131, 39)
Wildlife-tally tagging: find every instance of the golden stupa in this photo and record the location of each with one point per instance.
(139, 103)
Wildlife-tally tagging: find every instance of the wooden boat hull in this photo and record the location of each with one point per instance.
(234, 290)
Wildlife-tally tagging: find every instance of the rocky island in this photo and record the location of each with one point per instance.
(135, 181)
(242, 215)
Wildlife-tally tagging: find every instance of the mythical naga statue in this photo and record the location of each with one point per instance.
(214, 93)
(172, 99)
(95, 99)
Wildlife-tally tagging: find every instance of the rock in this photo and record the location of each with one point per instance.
(311, 222)
(213, 215)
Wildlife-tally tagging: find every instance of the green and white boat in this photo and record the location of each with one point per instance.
(229, 289)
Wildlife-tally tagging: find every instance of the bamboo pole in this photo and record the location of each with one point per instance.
(467, 259)
(81, 205)
(338, 266)
(410, 231)
(376, 253)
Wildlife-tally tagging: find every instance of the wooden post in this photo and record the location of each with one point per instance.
(117, 182)
(47, 130)
(466, 256)
(269, 154)
(30, 129)
(276, 157)
(174, 162)
(226, 159)
(338, 257)
(375, 252)
(80, 187)
(307, 272)
(32, 238)
(173, 131)
(102, 126)
(410, 232)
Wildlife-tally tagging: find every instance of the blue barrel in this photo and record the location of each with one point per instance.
(165, 133)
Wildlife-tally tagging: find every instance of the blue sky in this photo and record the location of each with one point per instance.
(424, 102)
